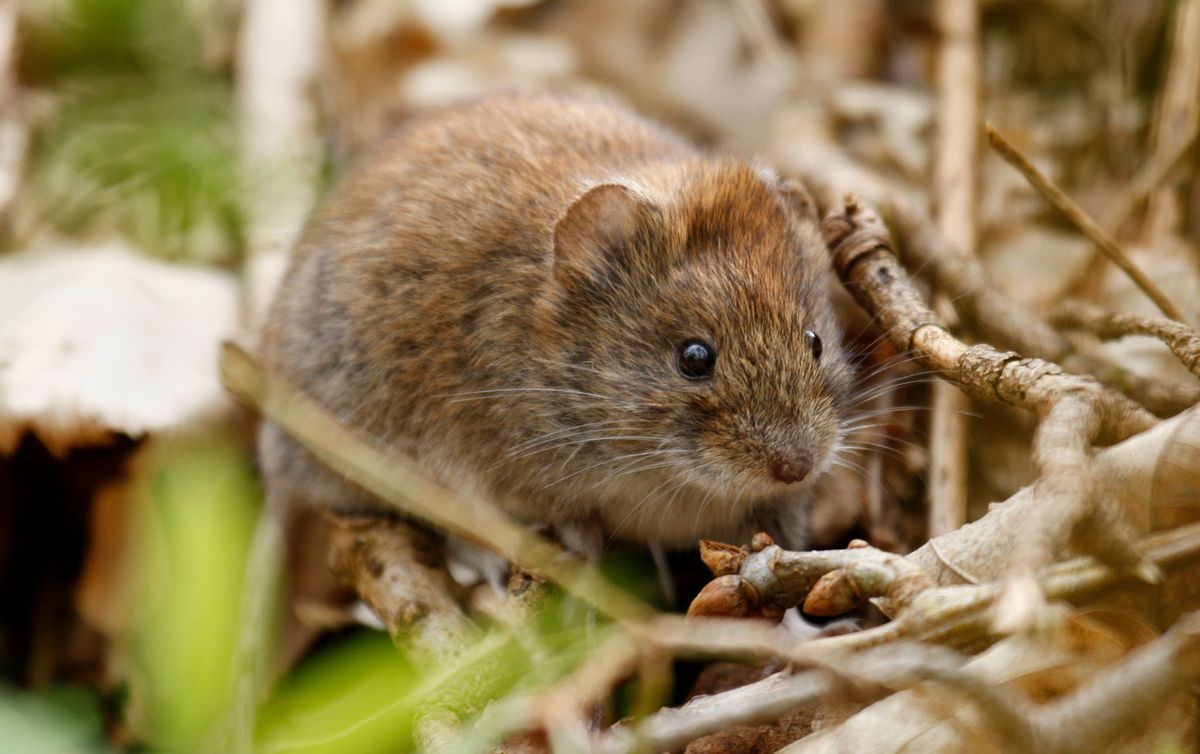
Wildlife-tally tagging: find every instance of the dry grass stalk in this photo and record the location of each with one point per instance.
(955, 198)
(1148, 179)
(1089, 227)
(390, 479)
(1178, 112)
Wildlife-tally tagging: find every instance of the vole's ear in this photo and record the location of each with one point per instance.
(798, 201)
(598, 231)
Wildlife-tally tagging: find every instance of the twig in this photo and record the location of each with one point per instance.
(1179, 107)
(1073, 411)
(1183, 341)
(953, 615)
(954, 197)
(1082, 221)
(862, 254)
(830, 174)
(959, 616)
(397, 570)
(758, 702)
(780, 579)
(1112, 712)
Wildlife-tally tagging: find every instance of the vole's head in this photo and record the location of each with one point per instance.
(692, 304)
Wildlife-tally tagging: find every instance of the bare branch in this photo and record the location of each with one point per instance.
(1183, 341)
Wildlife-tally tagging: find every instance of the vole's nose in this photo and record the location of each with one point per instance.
(793, 468)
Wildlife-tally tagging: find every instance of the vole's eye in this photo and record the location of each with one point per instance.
(696, 359)
(814, 343)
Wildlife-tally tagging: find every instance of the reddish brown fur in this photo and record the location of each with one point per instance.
(433, 274)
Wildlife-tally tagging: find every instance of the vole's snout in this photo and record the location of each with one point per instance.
(793, 468)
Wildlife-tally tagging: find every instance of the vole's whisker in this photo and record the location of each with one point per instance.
(631, 468)
(867, 423)
(704, 504)
(680, 477)
(610, 425)
(882, 390)
(894, 362)
(598, 430)
(890, 364)
(888, 410)
(617, 459)
(904, 380)
(849, 465)
(869, 446)
(585, 441)
(475, 395)
(569, 441)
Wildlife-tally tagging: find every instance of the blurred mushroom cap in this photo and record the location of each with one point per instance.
(103, 340)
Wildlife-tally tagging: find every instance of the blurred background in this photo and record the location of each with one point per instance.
(158, 157)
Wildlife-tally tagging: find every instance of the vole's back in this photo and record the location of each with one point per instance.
(418, 273)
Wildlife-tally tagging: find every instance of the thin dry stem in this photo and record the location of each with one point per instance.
(1147, 180)
(1178, 112)
(758, 702)
(392, 480)
(1082, 221)
(1183, 341)
(954, 197)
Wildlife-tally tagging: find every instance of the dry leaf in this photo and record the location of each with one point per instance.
(103, 340)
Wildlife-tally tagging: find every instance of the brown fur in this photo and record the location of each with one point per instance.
(555, 251)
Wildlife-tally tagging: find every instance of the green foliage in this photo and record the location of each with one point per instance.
(152, 160)
(350, 697)
(65, 38)
(144, 142)
(361, 695)
(201, 516)
(63, 720)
